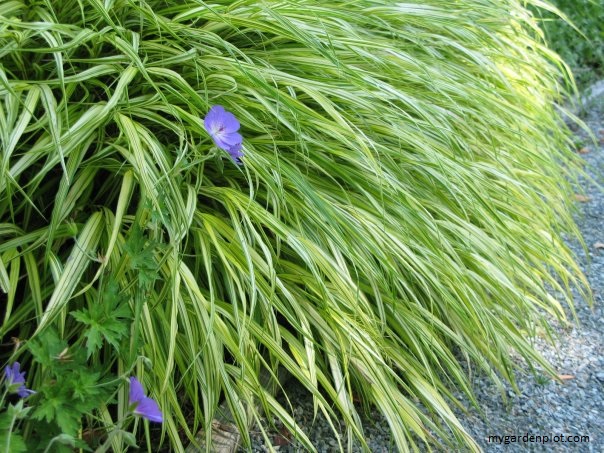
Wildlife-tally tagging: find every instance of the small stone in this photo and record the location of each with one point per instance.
(600, 377)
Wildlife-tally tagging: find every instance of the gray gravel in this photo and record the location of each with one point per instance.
(543, 407)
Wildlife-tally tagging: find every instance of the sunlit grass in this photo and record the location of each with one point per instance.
(401, 202)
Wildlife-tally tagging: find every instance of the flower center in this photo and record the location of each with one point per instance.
(218, 129)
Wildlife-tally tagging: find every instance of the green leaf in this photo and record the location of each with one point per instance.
(46, 410)
(68, 421)
(56, 409)
(94, 339)
(74, 269)
(5, 421)
(129, 439)
(65, 439)
(86, 386)
(142, 257)
(47, 348)
(18, 411)
(13, 443)
(106, 320)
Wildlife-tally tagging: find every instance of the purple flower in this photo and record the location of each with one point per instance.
(222, 127)
(15, 380)
(143, 405)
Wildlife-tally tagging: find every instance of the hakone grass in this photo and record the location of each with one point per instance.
(399, 214)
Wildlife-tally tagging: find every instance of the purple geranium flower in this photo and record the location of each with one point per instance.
(15, 378)
(222, 127)
(143, 405)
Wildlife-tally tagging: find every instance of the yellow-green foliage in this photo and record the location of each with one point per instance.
(400, 206)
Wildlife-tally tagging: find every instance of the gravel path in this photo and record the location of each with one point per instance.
(544, 407)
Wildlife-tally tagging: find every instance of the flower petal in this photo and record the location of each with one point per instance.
(149, 409)
(213, 116)
(13, 374)
(235, 152)
(232, 139)
(229, 122)
(24, 392)
(219, 141)
(137, 394)
(8, 375)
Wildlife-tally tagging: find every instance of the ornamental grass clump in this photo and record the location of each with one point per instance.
(383, 207)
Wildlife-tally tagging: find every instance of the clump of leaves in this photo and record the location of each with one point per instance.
(67, 390)
(401, 203)
(106, 320)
